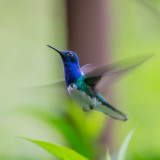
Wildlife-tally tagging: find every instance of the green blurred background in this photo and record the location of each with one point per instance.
(26, 27)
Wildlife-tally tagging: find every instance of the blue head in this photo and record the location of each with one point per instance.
(71, 65)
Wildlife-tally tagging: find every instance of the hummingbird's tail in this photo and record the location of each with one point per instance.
(108, 109)
(115, 113)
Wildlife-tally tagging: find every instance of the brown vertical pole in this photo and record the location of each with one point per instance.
(88, 30)
(88, 24)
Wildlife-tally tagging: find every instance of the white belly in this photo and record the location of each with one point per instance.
(82, 98)
(86, 102)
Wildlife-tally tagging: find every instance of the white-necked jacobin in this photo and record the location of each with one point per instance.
(84, 84)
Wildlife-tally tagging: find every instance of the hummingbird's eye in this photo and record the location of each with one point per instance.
(70, 54)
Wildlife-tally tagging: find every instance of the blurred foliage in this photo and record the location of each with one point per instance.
(61, 152)
(136, 31)
(26, 27)
(123, 150)
(82, 132)
(107, 155)
(65, 153)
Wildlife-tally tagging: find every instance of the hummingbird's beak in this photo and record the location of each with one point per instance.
(60, 52)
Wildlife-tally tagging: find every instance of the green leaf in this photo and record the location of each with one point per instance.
(107, 155)
(70, 133)
(123, 149)
(61, 152)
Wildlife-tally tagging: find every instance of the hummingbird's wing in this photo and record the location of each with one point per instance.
(52, 84)
(88, 68)
(101, 77)
(57, 87)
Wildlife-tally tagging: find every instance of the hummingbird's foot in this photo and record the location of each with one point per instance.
(85, 109)
(91, 107)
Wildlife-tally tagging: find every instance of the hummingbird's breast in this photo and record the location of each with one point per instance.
(82, 97)
(72, 73)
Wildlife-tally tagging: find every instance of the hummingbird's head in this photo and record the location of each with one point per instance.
(67, 56)
(71, 65)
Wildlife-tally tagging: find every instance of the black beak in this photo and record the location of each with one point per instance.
(60, 52)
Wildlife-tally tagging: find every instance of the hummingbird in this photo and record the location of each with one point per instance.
(85, 84)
